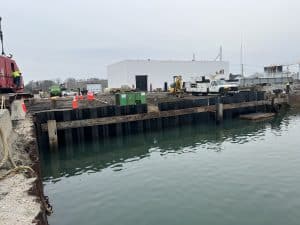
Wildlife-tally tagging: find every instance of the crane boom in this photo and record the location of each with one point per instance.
(1, 38)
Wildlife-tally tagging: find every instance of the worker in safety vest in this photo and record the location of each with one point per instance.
(17, 76)
(287, 87)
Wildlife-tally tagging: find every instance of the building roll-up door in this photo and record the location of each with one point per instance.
(141, 82)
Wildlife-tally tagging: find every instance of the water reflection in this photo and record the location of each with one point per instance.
(114, 152)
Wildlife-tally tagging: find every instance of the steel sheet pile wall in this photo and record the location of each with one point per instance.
(88, 133)
(245, 96)
(161, 120)
(186, 103)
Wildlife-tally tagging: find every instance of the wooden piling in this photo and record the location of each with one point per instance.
(52, 134)
(219, 112)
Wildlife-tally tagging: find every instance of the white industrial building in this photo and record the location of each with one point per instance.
(142, 74)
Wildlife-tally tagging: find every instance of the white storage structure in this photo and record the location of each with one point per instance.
(95, 88)
(142, 74)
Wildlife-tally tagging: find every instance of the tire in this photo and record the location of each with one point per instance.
(221, 91)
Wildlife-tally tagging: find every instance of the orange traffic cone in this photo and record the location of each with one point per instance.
(24, 106)
(75, 103)
(90, 96)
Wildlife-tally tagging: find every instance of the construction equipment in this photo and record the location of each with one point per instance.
(205, 86)
(177, 87)
(7, 67)
(55, 90)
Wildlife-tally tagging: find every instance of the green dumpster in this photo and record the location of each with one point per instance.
(121, 99)
(137, 97)
(140, 98)
(143, 97)
(130, 98)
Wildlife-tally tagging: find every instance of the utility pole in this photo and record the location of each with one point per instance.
(241, 58)
(220, 55)
(194, 57)
(1, 38)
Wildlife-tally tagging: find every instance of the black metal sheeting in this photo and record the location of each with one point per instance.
(89, 113)
(183, 104)
(243, 96)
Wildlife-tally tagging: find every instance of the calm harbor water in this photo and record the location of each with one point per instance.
(240, 173)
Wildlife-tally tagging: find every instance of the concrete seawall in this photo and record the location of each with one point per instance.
(5, 132)
(21, 191)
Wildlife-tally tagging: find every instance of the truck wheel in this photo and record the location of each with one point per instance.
(221, 91)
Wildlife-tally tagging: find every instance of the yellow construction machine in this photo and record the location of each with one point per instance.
(176, 87)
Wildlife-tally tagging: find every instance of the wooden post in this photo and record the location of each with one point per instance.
(219, 112)
(52, 133)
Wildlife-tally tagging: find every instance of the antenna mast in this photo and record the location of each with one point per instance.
(298, 71)
(194, 57)
(1, 38)
(241, 58)
(220, 55)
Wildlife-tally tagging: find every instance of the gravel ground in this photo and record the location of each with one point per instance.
(16, 205)
(19, 195)
(153, 98)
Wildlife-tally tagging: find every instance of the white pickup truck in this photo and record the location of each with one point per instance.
(206, 86)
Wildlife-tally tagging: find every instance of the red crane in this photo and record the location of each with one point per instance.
(7, 67)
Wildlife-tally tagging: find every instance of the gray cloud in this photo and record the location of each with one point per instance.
(62, 38)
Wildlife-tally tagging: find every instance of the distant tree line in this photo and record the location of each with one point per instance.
(69, 84)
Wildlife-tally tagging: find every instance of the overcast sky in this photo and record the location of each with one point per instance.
(64, 38)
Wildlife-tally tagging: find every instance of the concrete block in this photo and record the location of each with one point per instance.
(6, 129)
(17, 112)
(5, 123)
(52, 133)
